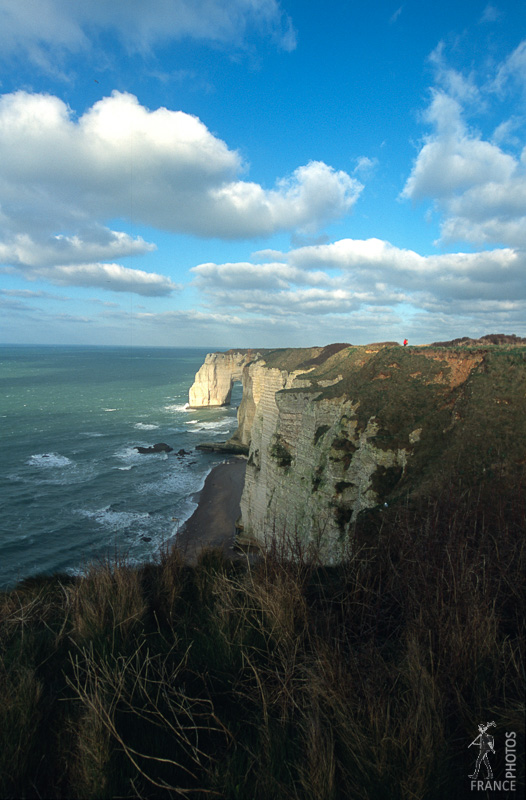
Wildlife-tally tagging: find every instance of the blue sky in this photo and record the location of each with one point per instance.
(259, 173)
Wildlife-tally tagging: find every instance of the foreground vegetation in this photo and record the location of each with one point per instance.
(277, 680)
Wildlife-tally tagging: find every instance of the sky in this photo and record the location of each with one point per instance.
(261, 173)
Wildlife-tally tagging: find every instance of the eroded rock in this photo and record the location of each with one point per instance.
(160, 447)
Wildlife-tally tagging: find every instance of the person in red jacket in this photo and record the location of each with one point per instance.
(405, 342)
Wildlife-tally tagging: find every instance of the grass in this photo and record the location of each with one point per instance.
(284, 679)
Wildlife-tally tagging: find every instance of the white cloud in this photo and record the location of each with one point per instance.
(457, 85)
(112, 277)
(490, 14)
(344, 290)
(26, 294)
(512, 71)
(360, 275)
(62, 178)
(96, 244)
(395, 15)
(454, 161)
(46, 31)
(314, 194)
(365, 166)
(504, 133)
(162, 168)
(477, 185)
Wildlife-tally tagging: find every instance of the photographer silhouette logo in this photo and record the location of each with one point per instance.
(486, 744)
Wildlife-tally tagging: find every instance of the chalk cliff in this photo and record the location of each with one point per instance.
(213, 383)
(334, 431)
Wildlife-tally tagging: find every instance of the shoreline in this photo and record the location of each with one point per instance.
(213, 523)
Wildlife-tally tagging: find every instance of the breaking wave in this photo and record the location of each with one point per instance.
(47, 460)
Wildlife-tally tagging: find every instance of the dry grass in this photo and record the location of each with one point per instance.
(286, 679)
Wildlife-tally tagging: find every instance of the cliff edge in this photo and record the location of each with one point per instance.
(334, 431)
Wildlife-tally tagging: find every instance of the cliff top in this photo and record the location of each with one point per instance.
(467, 396)
(294, 358)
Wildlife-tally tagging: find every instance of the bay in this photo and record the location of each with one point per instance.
(73, 487)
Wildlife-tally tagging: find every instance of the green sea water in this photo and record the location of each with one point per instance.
(73, 487)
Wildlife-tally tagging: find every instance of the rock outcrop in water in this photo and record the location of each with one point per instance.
(160, 447)
(332, 432)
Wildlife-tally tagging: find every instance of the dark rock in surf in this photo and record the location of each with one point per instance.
(230, 447)
(160, 447)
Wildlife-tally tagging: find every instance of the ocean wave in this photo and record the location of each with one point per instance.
(145, 426)
(181, 483)
(214, 425)
(91, 434)
(110, 409)
(129, 453)
(212, 431)
(117, 520)
(184, 512)
(54, 460)
(177, 407)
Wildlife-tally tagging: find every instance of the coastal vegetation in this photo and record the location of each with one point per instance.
(281, 678)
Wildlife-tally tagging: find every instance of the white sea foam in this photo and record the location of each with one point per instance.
(180, 482)
(220, 424)
(92, 435)
(176, 407)
(117, 520)
(129, 453)
(145, 426)
(110, 409)
(48, 460)
(184, 511)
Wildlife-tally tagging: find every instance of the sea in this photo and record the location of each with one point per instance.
(73, 488)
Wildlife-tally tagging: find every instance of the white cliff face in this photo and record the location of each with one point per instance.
(260, 384)
(310, 468)
(310, 471)
(333, 431)
(214, 380)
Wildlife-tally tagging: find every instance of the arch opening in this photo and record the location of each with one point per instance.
(236, 393)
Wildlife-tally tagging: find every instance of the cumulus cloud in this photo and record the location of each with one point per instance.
(61, 178)
(356, 276)
(107, 276)
(477, 185)
(98, 243)
(46, 30)
(163, 168)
